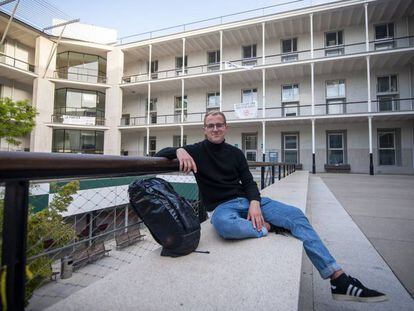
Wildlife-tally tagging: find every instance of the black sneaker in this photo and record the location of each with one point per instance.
(347, 288)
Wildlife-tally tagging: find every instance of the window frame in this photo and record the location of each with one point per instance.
(343, 149)
(252, 91)
(151, 152)
(338, 48)
(177, 110)
(178, 138)
(393, 96)
(284, 149)
(179, 70)
(340, 99)
(387, 42)
(394, 148)
(244, 143)
(217, 96)
(252, 60)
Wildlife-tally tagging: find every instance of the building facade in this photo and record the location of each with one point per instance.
(327, 87)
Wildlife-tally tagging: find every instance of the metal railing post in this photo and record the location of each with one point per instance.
(284, 170)
(16, 202)
(279, 168)
(273, 174)
(262, 175)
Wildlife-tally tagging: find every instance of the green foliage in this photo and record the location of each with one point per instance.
(16, 119)
(48, 224)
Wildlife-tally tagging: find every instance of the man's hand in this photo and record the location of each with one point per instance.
(187, 163)
(255, 215)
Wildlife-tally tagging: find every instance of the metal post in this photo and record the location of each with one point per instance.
(183, 68)
(264, 93)
(273, 174)
(366, 27)
(147, 142)
(279, 172)
(368, 84)
(262, 177)
(149, 104)
(16, 202)
(313, 88)
(149, 61)
(313, 147)
(284, 170)
(311, 32)
(182, 136)
(221, 50)
(182, 100)
(221, 91)
(371, 162)
(263, 44)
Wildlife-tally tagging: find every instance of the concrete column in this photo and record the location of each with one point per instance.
(221, 92)
(313, 147)
(43, 97)
(113, 105)
(313, 88)
(263, 44)
(368, 84)
(366, 27)
(311, 32)
(371, 162)
(221, 50)
(264, 93)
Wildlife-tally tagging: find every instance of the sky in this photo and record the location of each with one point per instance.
(130, 17)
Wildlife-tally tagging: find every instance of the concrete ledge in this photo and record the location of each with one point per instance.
(254, 274)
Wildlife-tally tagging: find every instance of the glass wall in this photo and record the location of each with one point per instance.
(81, 67)
(77, 141)
(86, 106)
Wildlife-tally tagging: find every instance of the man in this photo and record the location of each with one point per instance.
(227, 188)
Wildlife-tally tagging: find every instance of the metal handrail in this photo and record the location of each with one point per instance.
(29, 66)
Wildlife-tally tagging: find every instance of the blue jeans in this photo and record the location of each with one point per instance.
(229, 220)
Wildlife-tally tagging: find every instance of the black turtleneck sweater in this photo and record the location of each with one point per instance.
(222, 172)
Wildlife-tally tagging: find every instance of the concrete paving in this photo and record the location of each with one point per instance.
(353, 252)
(383, 208)
(254, 274)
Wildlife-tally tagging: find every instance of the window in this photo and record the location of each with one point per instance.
(290, 93)
(249, 96)
(154, 69)
(179, 65)
(290, 147)
(152, 146)
(249, 55)
(213, 101)
(388, 146)
(77, 141)
(289, 47)
(213, 60)
(335, 96)
(333, 43)
(290, 109)
(177, 141)
(125, 119)
(153, 110)
(249, 144)
(387, 93)
(178, 103)
(336, 147)
(384, 36)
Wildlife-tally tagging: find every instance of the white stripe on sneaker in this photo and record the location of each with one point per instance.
(354, 290)
(348, 291)
(359, 292)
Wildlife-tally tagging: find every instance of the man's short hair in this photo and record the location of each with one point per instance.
(215, 113)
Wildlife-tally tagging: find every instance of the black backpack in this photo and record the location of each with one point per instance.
(169, 217)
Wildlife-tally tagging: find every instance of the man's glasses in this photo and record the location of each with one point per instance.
(211, 126)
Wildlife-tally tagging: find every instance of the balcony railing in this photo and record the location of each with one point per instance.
(80, 75)
(17, 63)
(281, 58)
(301, 110)
(86, 224)
(78, 116)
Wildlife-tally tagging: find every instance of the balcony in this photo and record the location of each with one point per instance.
(346, 50)
(78, 116)
(16, 69)
(80, 75)
(289, 111)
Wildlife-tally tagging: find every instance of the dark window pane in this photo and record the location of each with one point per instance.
(58, 141)
(247, 52)
(385, 104)
(335, 141)
(254, 50)
(211, 57)
(394, 87)
(218, 55)
(381, 32)
(340, 37)
(383, 84)
(99, 143)
(295, 45)
(336, 157)
(286, 46)
(291, 156)
(331, 38)
(387, 157)
(291, 142)
(386, 140)
(391, 30)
